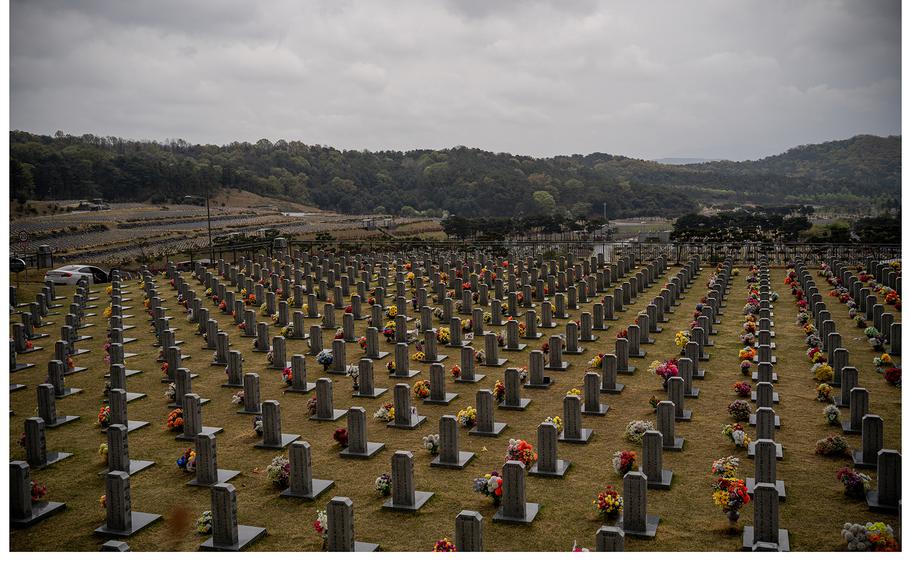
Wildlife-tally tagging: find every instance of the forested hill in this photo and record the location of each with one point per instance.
(862, 160)
(463, 181)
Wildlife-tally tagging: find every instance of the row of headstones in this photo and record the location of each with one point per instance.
(37, 455)
(846, 377)
(647, 275)
(65, 348)
(885, 274)
(867, 302)
(767, 491)
(248, 316)
(32, 321)
(592, 283)
(563, 276)
(872, 455)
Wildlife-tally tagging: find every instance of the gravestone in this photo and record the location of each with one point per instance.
(515, 508)
(765, 373)
(118, 381)
(467, 367)
(438, 394)
(766, 468)
(873, 441)
(340, 528)
(406, 416)
(302, 484)
(610, 539)
(765, 420)
(207, 472)
(555, 354)
(684, 364)
(36, 452)
(324, 402)
(765, 534)
(536, 377)
(119, 413)
(118, 453)
(469, 531)
(279, 353)
(339, 364)
(764, 394)
(572, 429)
(652, 461)
(404, 496)
(676, 388)
(121, 520)
(666, 425)
(251, 401)
(358, 446)
(622, 357)
(402, 363)
(635, 519)
(227, 535)
(372, 350)
(272, 437)
(608, 371)
(261, 344)
(491, 351)
(430, 349)
(692, 353)
(548, 464)
(634, 338)
(859, 407)
(886, 496)
(486, 425)
(449, 454)
(234, 370)
(23, 511)
(299, 383)
(571, 340)
(592, 403)
(55, 378)
(512, 399)
(512, 336)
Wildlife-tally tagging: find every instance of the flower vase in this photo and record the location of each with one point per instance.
(733, 517)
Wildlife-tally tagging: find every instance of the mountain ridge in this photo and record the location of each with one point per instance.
(460, 180)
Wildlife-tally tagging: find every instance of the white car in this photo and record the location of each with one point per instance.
(72, 273)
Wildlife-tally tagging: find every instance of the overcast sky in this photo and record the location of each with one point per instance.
(699, 78)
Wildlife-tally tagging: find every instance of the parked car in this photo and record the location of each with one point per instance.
(72, 273)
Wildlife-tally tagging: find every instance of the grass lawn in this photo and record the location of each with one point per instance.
(813, 512)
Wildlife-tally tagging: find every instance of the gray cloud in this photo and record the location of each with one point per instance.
(706, 78)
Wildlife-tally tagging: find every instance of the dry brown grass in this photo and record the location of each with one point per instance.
(813, 512)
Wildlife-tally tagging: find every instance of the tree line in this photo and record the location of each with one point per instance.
(459, 181)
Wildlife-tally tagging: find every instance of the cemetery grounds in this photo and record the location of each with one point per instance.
(813, 513)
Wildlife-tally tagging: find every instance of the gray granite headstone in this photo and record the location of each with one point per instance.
(652, 461)
(340, 529)
(636, 520)
(469, 531)
(515, 508)
(302, 484)
(610, 539)
(886, 496)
